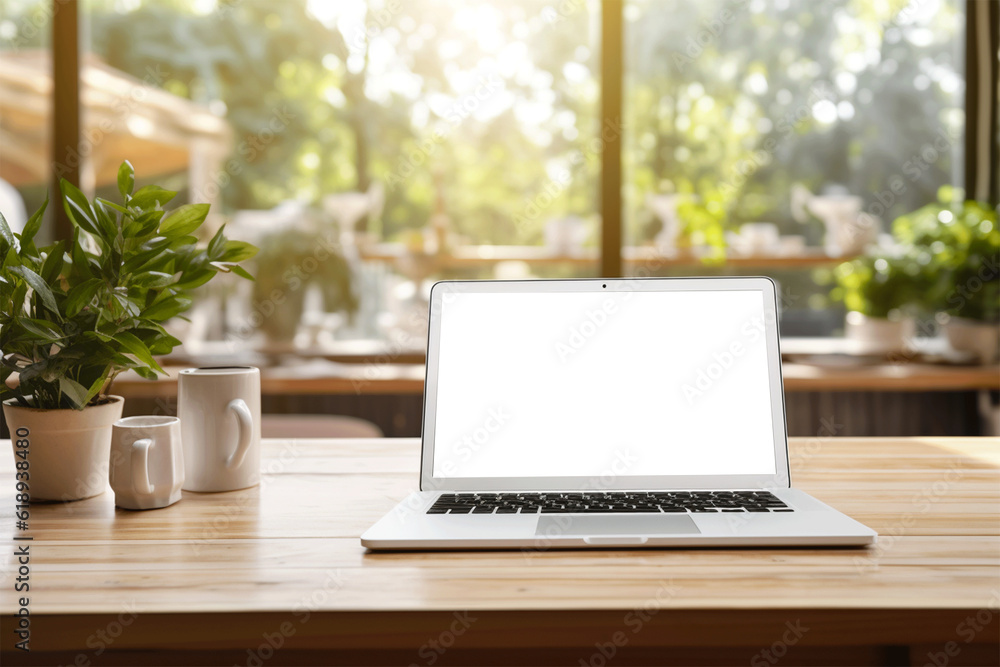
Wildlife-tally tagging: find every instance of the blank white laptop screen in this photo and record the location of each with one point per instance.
(577, 384)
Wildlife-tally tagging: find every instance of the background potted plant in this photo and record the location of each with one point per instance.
(73, 315)
(876, 290)
(957, 244)
(287, 266)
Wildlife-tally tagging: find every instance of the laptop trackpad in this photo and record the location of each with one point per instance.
(604, 524)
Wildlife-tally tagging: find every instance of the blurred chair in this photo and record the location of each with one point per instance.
(317, 426)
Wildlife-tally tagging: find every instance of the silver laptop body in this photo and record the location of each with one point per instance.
(606, 413)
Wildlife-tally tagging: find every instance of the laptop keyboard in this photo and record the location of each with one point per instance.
(611, 502)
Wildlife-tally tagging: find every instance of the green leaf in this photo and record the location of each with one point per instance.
(78, 208)
(6, 235)
(151, 196)
(217, 245)
(81, 263)
(243, 273)
(43, 328)
(39, 286)
(116, 207)
(153, 279)
(80, 296)
(74, 391)
(96, 387)
(11, 258)
(237, 251)
(144, 225)
(136, 347)
(184, 220)
(194, 279)
(126, 179)
(109, 227)
(33, 224)
(145, 373)
(169, 307)
(53, 264)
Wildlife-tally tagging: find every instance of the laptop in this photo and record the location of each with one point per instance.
(606, 413)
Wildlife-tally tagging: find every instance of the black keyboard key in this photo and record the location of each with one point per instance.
(606, 502)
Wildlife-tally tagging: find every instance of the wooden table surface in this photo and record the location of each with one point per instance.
(276, 574)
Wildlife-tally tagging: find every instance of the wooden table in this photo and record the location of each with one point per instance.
(276, 574)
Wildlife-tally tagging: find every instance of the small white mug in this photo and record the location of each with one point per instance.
(146, 466)
(219, 410)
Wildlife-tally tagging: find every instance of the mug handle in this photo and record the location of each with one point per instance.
(140, 466)
(245, 422)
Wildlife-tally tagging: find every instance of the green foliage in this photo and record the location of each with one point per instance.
(287, 264)
(877, 286)
(74, 315)
(957, 245)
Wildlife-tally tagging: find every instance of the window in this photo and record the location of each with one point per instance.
(372, 146)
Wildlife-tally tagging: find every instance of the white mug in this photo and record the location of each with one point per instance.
(219, 410)
(146, 466)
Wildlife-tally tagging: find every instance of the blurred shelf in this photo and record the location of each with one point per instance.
(205, 353)
(320, 377)
(473, 256)
(902, 377)
(315, 378)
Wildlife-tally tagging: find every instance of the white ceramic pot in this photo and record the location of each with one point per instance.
(67, 450)
(879, 335)
(980, 338)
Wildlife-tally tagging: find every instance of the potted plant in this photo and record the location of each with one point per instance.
(876, 290)
(287, 265)
(75, 314)
(958, 246)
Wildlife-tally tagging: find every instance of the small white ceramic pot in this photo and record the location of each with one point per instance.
(879, 335)
(979, 338)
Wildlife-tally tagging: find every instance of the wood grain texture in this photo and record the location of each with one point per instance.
(220, 570)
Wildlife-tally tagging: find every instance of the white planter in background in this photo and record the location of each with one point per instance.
(979, 338)
(879, 335)
(68, 450)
